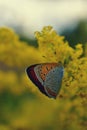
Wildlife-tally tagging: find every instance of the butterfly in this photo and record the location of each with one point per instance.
(47, 77)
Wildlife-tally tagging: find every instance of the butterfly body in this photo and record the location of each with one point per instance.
(47, 77)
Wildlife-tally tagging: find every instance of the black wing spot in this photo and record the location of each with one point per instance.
(51, 67)
(47, 68)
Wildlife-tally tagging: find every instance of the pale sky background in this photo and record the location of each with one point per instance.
(31, 15)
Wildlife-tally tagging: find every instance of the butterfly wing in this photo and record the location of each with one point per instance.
(52, 83)
(32, 74)
(45, 76)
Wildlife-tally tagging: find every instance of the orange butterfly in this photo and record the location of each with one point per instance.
(47, 77)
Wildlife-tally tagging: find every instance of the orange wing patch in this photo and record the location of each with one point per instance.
(45, 68)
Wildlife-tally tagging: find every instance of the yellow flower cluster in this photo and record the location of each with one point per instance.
(53, 48)
(69, 110)
(15, 56)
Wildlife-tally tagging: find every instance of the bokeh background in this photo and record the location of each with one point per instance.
(22, 106)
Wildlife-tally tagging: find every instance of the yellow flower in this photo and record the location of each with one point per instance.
(68, 111)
